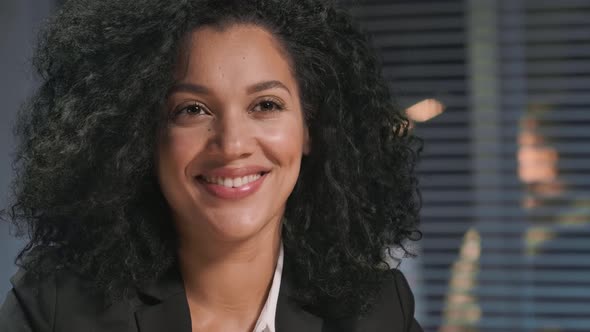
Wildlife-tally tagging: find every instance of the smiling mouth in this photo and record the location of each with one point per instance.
(229, 182)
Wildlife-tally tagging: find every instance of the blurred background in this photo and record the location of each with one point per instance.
(19, 23)
(504, 173)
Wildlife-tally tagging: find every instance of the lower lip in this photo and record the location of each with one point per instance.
(233, 193)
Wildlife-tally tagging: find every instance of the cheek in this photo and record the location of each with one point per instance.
(175, 152)
(285, 143)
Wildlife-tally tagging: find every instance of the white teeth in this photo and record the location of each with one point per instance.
(232, 182)
(237, 182)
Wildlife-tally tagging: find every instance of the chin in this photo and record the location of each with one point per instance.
(239, 228)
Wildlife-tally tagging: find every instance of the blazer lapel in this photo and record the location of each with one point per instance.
(172, 314)
(165, 307)
(290, 316)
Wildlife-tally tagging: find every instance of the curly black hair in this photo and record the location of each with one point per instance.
(85, 190)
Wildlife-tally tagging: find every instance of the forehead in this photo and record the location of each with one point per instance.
(233, 52)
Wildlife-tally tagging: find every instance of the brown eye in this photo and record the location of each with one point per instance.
(193, 110)
(190, 110)
(268, 106)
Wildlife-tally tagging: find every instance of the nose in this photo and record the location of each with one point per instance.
(232, 136)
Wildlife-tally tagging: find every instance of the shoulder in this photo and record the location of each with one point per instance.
(399, 288)
(61, 301)
(29, 305)
(394, 307)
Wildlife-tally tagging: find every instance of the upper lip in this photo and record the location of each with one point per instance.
(234, 172)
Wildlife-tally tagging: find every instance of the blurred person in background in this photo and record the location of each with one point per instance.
(555, 218)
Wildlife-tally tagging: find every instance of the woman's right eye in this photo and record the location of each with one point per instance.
(189, 111)
(192, 110)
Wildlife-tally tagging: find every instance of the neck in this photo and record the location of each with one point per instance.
(230, 278)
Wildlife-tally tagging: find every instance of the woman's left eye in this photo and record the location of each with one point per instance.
(268, 106)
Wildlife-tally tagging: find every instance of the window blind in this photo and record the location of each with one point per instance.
(506, 196)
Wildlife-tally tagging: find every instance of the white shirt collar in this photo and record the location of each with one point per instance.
(266, 320)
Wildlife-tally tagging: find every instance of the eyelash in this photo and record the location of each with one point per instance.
(180, 110)
(277, 106)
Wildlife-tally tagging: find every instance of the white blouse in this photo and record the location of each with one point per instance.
(266, 320)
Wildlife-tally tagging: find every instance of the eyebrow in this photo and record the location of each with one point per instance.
(197, 88)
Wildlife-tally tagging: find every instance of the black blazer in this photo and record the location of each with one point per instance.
(62, 304)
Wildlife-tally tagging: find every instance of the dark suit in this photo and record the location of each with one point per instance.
(62, 304)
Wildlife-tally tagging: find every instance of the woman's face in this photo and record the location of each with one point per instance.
(231, 152)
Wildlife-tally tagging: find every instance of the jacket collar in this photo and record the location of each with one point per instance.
(291, 316)
(164, 308)
(163, 305)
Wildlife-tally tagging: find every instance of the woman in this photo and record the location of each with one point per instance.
(214, 166)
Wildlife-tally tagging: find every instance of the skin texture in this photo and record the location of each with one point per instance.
(228, 247)
(231, 130)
